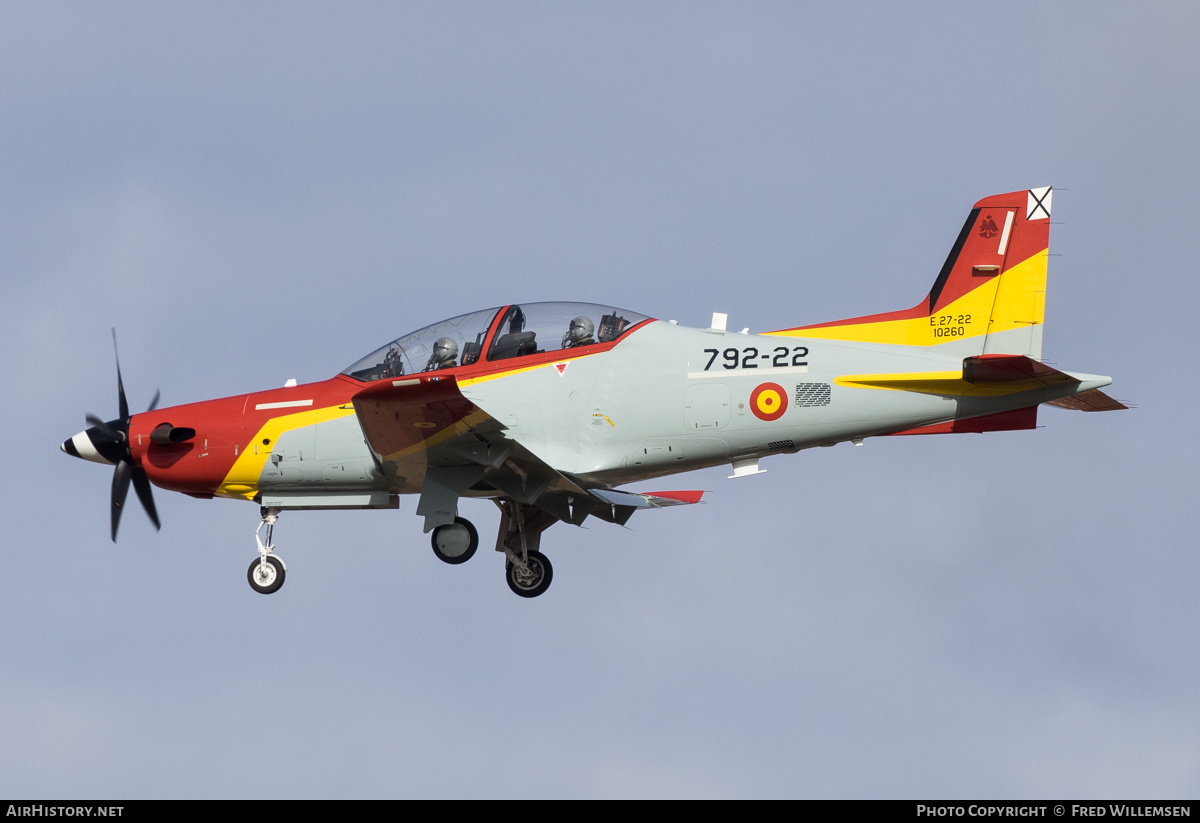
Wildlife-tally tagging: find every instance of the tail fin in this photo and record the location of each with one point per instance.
(988, 298)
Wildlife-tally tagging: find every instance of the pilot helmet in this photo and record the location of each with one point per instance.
(445, 349)
(581, 329)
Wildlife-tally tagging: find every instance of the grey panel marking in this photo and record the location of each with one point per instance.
(812, 394)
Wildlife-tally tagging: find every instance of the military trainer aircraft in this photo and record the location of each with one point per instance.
(546, 408)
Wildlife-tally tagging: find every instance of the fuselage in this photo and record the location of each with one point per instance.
(661, 399)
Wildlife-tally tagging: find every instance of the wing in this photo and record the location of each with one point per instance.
(430, 439)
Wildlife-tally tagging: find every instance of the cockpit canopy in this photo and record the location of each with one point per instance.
(506, 332)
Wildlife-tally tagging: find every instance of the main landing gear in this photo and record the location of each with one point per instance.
(529, 576)
(455, 542)
(266, 574)
(526, 569)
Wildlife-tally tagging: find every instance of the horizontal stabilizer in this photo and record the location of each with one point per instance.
(1005, 368)
(1015, 420)
(1089, 401)
(998, 369)
(984, 375)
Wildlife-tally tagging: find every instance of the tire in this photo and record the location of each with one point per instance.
(535, 581)
(270, 582)
(455, 542)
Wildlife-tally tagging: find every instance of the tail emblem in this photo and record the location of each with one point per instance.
(988, 227)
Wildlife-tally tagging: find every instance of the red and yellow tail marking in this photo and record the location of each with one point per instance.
(1014, 299)
(993, 281)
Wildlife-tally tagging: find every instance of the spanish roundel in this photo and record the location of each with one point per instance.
(768, 401)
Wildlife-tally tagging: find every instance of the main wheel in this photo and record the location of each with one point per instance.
(266, 579)
(455, 542)
(531, 581)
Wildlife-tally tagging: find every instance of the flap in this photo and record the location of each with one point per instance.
(647, 500)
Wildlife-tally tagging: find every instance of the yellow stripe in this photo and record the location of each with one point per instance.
(459, 427)
(1014, 299)
(470, 381)
(242, 481)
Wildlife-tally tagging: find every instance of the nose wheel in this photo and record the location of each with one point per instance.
(266, 574)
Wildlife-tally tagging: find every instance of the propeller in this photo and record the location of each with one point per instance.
(108, 442)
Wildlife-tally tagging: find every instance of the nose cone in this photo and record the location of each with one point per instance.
(95, 445)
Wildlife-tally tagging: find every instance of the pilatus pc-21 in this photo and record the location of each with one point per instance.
(546, 408)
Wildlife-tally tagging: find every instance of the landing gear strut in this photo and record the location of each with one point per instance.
(266, 574)
(527, 570)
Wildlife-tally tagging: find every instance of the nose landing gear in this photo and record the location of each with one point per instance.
(266, 574)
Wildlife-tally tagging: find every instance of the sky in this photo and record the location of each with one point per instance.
(252, 192)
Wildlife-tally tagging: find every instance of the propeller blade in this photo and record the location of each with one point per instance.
(117, 450)
(141, 484)
(123, 404)
(102, 426)
(120, 488)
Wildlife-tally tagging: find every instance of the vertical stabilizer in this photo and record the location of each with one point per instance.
(1019, 311)
(989, 296)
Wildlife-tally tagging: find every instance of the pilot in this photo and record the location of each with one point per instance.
(445, 352)
(579, 334)
(393, 365)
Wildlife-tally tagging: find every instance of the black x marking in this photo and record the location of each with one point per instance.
(1038, 203)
